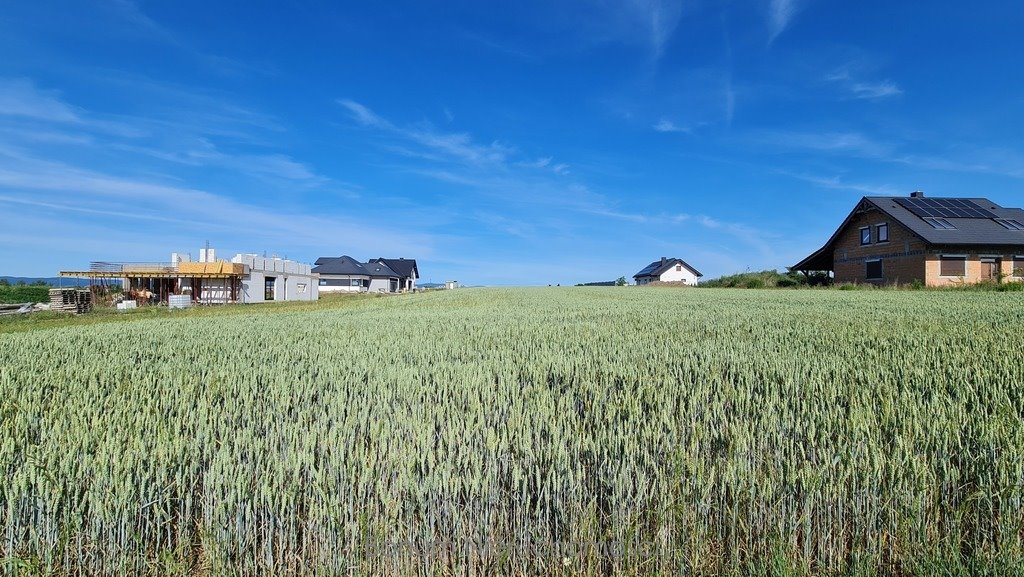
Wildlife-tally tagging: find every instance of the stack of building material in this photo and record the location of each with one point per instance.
(179, 301)
(70, 300)
(16, 309)
(219, 267)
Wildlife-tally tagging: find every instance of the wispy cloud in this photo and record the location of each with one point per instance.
(848, 143)
(875, 90)
(364, 115)
(21, 97)
(68, 188)
(666, 125)
(838, 183)
(205, 153)
(780, 14)
(455, 147)
(863, 89)
(661, 18)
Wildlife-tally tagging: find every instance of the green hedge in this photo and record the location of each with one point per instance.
(24, 294)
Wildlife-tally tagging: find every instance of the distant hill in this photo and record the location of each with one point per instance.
(52, 281)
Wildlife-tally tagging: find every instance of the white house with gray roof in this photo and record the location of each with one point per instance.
(668, 270)
(346, 274)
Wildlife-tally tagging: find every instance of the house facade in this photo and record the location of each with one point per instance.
(346, 274)
(936, 241)
(406, 269)
(668, 270)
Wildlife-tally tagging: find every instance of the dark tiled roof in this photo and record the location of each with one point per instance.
(345, 265)
(379, 269)
(661, 265)
(405, 267)
(966, 231)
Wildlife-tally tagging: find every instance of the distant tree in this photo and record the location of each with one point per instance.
(40, 282)
(4, 282)
(21, 283)
(621, 281)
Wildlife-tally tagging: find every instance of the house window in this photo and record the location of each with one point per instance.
(323, 282)
(865, 235)
(953, 266)
(940, 223)
(873, 269)
(1018, 266)
(883, 232)
(302, 287)
(355, 282)
(679, 267)
(1010, 224)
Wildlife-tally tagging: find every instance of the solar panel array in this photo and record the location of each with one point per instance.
(944, 208)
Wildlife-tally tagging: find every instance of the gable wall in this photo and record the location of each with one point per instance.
(684, 275)
(903, 257)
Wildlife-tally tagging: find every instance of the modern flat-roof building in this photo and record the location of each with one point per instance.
(247, 278)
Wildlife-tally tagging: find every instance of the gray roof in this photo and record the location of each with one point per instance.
(663, 264)
(972, 231)
(966, 231)
(405, 267)
(379, 269)
(343, 265)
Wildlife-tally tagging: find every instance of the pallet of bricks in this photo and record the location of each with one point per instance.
(70, 300)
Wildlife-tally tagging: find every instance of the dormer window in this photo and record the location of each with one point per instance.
(940, 223)
(1010, 224)
(865, 235)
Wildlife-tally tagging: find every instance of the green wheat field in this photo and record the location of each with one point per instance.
(549, 431)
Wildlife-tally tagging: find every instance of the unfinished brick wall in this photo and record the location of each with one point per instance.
(903, 256)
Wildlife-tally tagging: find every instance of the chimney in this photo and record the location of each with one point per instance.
(917, 194)
(663, 259)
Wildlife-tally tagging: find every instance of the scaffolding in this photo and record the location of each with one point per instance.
(154, 283)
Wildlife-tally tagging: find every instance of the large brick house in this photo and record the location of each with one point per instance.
(938, 241)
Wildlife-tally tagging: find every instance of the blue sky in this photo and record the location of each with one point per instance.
(511, 143)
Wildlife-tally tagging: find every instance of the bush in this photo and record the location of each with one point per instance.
(768, 279)
(24, 294)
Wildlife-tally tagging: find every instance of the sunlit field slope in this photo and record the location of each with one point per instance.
(550, 431)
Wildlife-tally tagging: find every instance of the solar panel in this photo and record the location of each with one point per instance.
(944, 208)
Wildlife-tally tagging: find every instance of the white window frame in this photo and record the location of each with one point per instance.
(880, 267)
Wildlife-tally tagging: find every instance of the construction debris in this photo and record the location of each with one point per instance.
(17, 309)
(70, 300)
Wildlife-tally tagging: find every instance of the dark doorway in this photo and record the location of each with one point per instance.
(268, 288)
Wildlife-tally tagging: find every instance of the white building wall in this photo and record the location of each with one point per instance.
(380, 285)
(684, 275)
(293, 281)
(345, 286)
